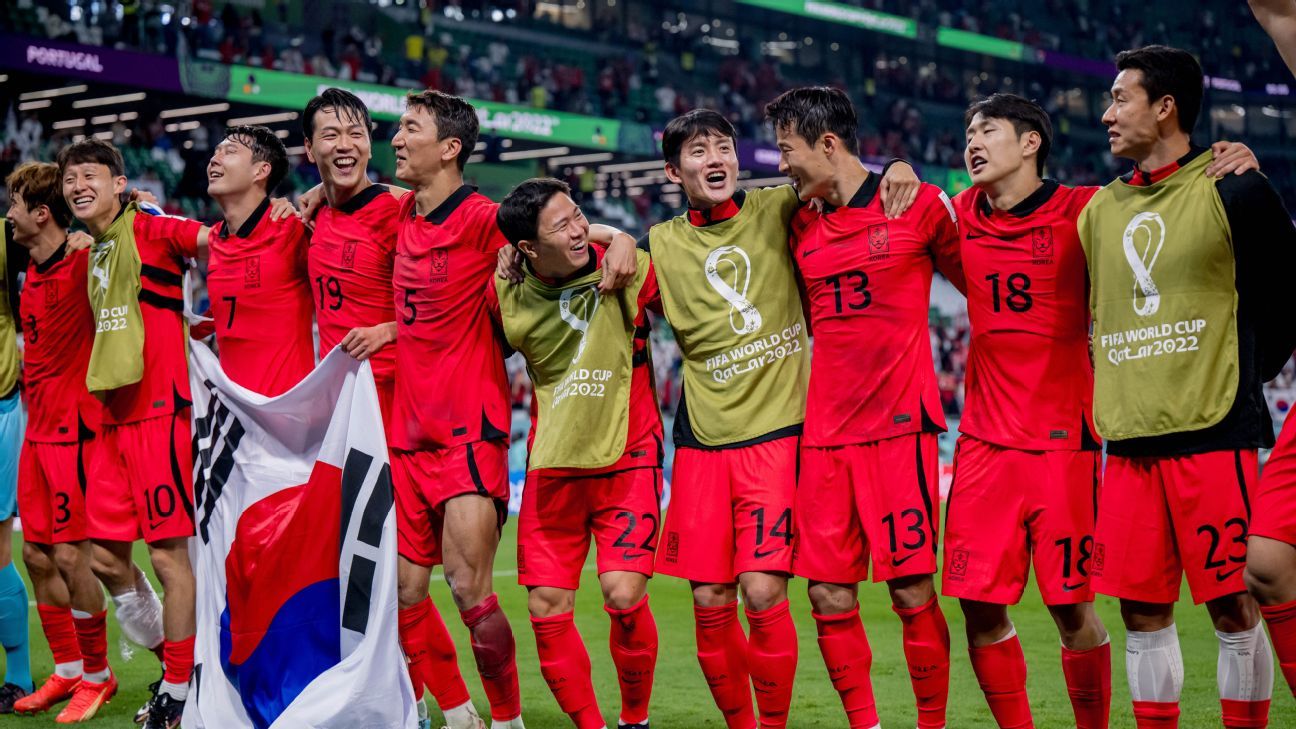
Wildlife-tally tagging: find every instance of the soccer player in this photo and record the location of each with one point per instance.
(349, 263)
(58, 329)
(13, 592)
(256, 272)
(1182, 287)
(730, 294)
(595, 447)
(142, 485)
(869, 483)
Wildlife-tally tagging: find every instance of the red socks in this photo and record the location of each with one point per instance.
(633, 642)
(178, 655)
(927, 648)
(1088, 678)
(61, 633)
(493, 647)
(1245, 714)
(1001, 670)
(430, 651)
(1282, 632)
(772, 661)
(847, 655)
(722, 653)
(92, 637)
(1156, 714)
(565, 665)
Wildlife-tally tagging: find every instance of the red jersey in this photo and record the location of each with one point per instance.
(58, 333)
(644, 439)
(261, 301)
(868, 289)
(1029, 382)
(451, 387)
(350, 264)
(164, 243)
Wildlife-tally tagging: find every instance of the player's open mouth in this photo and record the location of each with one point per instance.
(1111, 136)
(215, 175)
(578, 247)
(82, 201)
(716, 178)
(978, 162)
(345, 164)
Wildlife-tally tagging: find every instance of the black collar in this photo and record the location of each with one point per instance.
(719, 213)
(50, 262)
(1143, 178)
(444, 210)
(1029, 204)
(249, 225)
(864, 195)
(361, 199)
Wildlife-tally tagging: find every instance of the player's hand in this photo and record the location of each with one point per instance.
(310, 202)
(619, 264)
(363, 342)
(143, 196)
(79, 240)
(282, 207)
(899, 189)
(508, 264)
(1233, 157)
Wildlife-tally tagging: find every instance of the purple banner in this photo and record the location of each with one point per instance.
(1092, 67)
(72, 60)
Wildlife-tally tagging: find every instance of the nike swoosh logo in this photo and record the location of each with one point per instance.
(807, 254)
(897, 562)
(1221, 576)
(157, 525)
(758, 554)
(1068, 587)
(629, 556)
(60, 528)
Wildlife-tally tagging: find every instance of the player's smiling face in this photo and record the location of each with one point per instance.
(26, 222)
(420, 156)
(92, 192)
(994, 150)
(340, 147)
(562, 233)
(707, 170)
(806, 163)
(232, 169)
(1132, 118)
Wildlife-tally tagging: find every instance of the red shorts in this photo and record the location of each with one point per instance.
(1275, 504)
(621, 510)
(142, 481)
(730, 512)
(1009, 507)
(52, 490)
(425, 480)
(1159, 518)
(878, 499)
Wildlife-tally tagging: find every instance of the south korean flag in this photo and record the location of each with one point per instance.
(295, 555)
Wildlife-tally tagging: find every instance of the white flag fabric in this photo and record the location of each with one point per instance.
(295, 555)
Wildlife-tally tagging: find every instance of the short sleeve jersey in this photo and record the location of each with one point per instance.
(58, 332)
(644, 439)
(1029, 382)
(868, 289)
(451, 387)
(165, 244)
(260, 299)
(350, 260)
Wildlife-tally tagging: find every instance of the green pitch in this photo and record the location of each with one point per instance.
(680, 696)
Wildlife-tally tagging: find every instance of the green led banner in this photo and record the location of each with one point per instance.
(292, 91)
(843, 14)
(984, 44)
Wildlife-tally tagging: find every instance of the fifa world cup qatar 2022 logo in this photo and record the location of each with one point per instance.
(1147, 229)
(586, 300)
(728, 262)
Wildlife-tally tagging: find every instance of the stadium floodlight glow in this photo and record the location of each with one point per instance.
(4, 77)
(534, 153)
(108, 100)
(69, 124)
(577, 159)
(262, 119)
(474, 159)
(128, 116)
(295, 151)
(195, 110)
(106, 119)
(30, 105)
(183, 126)
(632, 166)
(51, 93)
(281, 133)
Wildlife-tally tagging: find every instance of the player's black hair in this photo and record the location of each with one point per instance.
(93, 151)
(811, 111)
(1168, 72)
(699, 122)
(266, 147)
(1025, 116)
(518, 216)
(347, 106)
(454, 118)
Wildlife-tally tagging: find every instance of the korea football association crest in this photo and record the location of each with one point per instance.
(879, 240)
(1142, 242)
(576, 307)
(1041, 242)
(731, 263)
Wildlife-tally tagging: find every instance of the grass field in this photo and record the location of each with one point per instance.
(681, 699)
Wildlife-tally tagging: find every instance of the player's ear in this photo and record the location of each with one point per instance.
(673, 174)
(310, 155)
(829, 142)
(1031, 142)
(450, 151)
(119, 185)
(528, 249)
